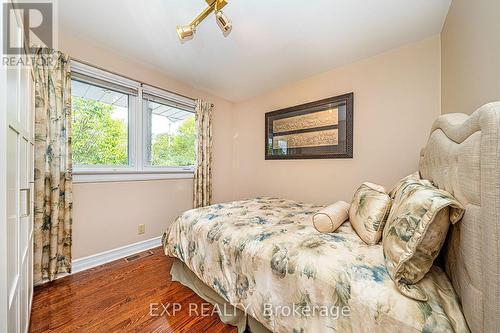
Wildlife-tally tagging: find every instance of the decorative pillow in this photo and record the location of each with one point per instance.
(415, 232)
(405, 180)
(370, 207)
(330, 218)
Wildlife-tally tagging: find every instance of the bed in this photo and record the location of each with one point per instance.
(263, 258)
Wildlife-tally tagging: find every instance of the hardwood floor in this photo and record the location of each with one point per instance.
(116, 297)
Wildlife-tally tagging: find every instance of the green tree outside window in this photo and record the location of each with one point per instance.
(97, 138)
(100, 139)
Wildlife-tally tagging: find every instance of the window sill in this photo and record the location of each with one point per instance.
(100, 177)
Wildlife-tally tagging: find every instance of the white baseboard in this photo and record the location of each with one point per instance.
(111, 255)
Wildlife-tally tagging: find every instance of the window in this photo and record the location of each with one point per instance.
(100, 128)
(171, 133)
(123, 130)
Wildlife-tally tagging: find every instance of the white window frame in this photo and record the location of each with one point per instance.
(137, 168)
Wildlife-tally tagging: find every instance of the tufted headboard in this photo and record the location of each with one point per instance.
(462, 157)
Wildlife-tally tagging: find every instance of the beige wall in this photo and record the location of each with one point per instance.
(396, 99)
(106, 215)
(470, 46)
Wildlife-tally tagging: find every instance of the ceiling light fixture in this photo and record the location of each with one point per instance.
(223, 22)
(186, 32)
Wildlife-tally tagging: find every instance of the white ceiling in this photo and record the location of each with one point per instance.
(273, 42)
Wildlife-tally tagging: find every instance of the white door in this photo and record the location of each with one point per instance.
(17, 175)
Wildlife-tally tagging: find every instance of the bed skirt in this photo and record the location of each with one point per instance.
(235, 317)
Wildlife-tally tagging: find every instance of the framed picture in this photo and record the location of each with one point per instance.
(321, 129)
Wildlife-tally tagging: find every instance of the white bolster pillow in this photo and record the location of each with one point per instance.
(330, 218)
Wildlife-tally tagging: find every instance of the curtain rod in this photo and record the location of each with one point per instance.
(129, 78)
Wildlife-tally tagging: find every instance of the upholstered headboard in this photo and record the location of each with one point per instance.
(462, 157)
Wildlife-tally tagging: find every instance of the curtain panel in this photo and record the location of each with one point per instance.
(53, 171)
(203, 168)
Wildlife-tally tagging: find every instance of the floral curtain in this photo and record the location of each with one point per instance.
(203, 173)
(53, 179)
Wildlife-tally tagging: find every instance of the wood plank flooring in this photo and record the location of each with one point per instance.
(116, 297)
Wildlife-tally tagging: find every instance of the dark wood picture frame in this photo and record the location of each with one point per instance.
(344, 130)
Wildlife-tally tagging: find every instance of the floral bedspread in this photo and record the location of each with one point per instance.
(264, 256)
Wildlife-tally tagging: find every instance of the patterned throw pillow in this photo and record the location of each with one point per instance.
(369, 210)
(415, 232)
(404, 181)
